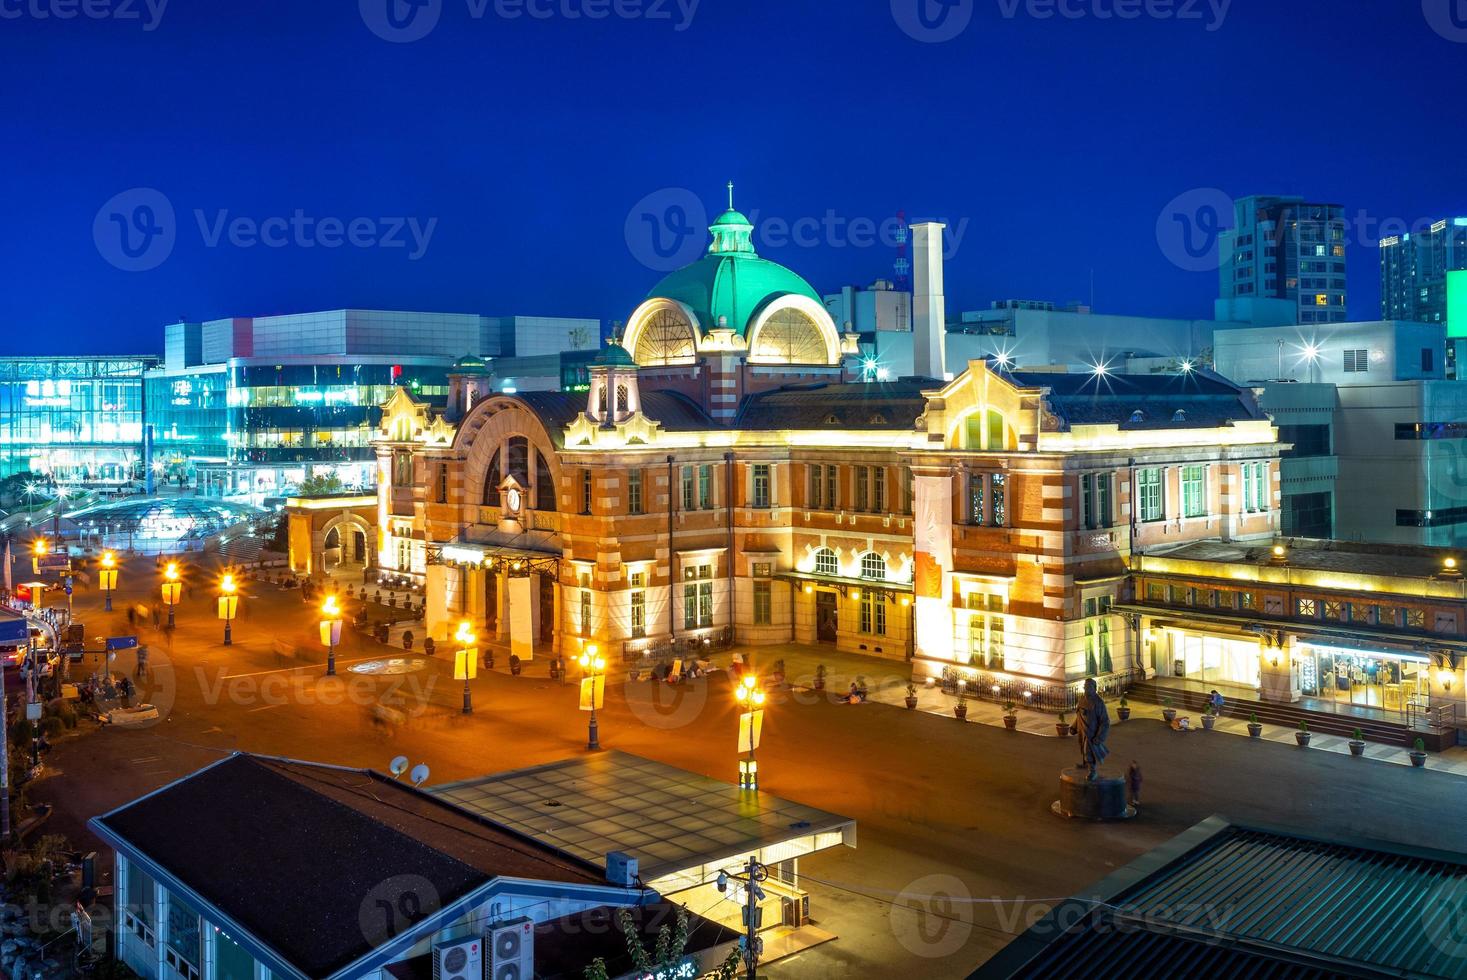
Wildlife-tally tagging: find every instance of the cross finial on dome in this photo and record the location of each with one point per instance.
(730, 195)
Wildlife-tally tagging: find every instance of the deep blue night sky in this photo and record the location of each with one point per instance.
(1058, 140)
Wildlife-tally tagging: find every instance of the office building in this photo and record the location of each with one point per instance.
(78, 420)
(1286, 248)
(1414, 269)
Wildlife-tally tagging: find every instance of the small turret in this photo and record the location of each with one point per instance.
(614, 396)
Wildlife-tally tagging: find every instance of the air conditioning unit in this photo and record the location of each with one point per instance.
(511, 950)
(462, 959)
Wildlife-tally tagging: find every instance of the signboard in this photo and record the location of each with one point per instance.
(593, 692)
(13, 630)
(53, 562)
(122, 642)
(751, 725)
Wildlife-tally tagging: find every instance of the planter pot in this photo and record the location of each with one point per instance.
(1208, 721)
(1011, 722)
(1418, 759)
(1255, 730)
(1124, 714)
(1061, 729)
(911, 704)
(634, 675)
(1169, 715)
(1302, 738)
(960, 711)
(1357, 748)
(819, 684)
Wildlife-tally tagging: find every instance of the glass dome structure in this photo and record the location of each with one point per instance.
(159, 522)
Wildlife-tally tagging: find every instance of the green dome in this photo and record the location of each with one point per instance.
(470, 364)
(614, 355)
(731, 217)
(732, 284)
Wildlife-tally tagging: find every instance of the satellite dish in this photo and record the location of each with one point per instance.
(419, 775)
(398, 765)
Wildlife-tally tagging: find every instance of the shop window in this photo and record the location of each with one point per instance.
(826, 563)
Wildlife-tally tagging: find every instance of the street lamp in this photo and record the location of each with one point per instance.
(172, 587)
(751, 723)
(593, 690)
(38, 551)
(228, 605)
(107, 577)
(330, 631)
(466, 662)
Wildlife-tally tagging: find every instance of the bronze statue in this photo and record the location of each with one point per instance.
(1092, 724)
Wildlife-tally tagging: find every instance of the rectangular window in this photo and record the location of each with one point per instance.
(697, 596)
(586, 482)
(761, 485)
(705, 487)
(862, 492)
(975, 498)
(1194, 491)
(1334, 609)
(183, 938)
(878, 489)
(832, 486)
(763, 602)
(1087, 501)
(1104, 482)
(1308, 608)
(1428, 363)
(815, 499)
(908, 496)
(634, 492)
(1155, 592)
(1416, 619)
(1247, 600)
(873, 614)
(638, 582)
(689, 500)
(1149, 482)
(998, 509)
(443, 483)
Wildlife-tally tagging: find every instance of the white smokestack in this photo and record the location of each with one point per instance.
(929, 307)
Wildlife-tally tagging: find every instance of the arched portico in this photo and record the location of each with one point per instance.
(325, 532)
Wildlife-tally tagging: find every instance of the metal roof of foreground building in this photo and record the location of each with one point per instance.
(1225, 900)
(668, 818)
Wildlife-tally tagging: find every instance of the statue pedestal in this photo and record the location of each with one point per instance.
(1083, 798)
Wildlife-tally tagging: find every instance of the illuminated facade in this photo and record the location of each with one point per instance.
(78, 419)
(725, 475)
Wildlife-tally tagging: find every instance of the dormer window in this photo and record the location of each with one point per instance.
(1138, 416)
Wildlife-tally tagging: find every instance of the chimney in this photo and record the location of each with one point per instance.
(929, 309)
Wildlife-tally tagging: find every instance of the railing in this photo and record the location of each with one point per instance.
(667, 649)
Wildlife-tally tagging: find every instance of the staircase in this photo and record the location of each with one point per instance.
(1289, 715)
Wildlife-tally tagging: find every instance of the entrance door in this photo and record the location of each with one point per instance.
(826, 618)
(358, 547)
(491, 601)
(547, 609)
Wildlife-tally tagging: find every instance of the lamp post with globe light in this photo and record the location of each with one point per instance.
(228, 605)
(172, 589)
(466, 662)
(751, 724)
(107, 578)
(593, 691)
(330, 631)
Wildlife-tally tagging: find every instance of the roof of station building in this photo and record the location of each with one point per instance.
(871, 405)
(558, 409)
(1193, 399)
(1320, 555)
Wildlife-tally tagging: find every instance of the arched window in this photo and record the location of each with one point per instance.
(986, 432)
(666, 337)
(519, 460)
(826, 563)
(601, 402)
(873, 565)
(790, 337)
(621, 398)
(544, 484)
(492, 479)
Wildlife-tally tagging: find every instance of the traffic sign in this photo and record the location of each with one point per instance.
(122, 642)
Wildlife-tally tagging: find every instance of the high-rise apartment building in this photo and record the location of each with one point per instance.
(1413, 271)
(1286, 248)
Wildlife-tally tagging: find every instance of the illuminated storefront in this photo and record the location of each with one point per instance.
(78, 419)
(1366, 678)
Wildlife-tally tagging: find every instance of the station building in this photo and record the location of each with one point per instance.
(727, 477)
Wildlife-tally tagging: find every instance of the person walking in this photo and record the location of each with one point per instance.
(1133, 783)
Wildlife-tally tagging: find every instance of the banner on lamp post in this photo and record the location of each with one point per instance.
(331, 633)
(465, 665)
(593, 692)
(751, 725)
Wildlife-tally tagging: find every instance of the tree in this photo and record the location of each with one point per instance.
(319, 485)
(671, 942)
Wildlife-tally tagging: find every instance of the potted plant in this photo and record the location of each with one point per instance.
(1418, 754)
(407, 639)
(820, 678)
(1255, 730)
(1302, 735)
(1357, 742)
(1168, 710)
(1209, 718)
(429, 645)
(960, 710)
(1010, 715)
(1062, 727)
(514, 664)
(1123, 710)
(911, 697)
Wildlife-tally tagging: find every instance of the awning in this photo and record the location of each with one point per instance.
(840, 582)
(499, 555)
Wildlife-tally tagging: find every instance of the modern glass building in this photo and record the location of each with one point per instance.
(1414, 269)
(77, 419)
